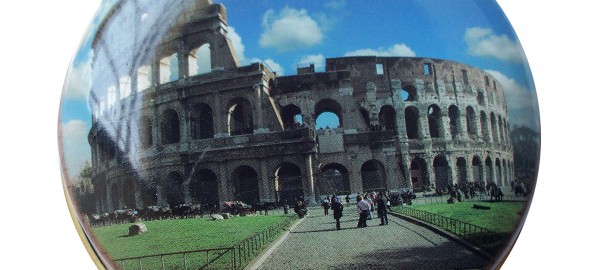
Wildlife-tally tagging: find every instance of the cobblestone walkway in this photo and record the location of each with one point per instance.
(315, 244)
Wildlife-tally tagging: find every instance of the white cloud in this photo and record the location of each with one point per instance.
(484, 42)
(78, 81)
(396, 50)
(274, 66)
(521, 101)
(76, 150)
(317, 59)
(290, 30)
(237, 43)
(335, 4)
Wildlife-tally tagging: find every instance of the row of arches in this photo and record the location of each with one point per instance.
(203, 186)
(189, 62)
(201, 120)
(499, 171)
(409, 93)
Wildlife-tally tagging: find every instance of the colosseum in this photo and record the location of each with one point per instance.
(186, 123)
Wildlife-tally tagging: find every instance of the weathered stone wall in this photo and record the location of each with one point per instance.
(242, 133)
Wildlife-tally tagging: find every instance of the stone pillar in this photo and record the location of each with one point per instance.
(431, 181)
(155, 68)
(220, 118)
(265, 190)
(453, 173)
(445, 126)
(463, 125)
(183, 59)
(308, 185)
(225, 185)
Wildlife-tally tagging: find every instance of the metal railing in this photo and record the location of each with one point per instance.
(483, 238)
(477, 198)
(234, 257)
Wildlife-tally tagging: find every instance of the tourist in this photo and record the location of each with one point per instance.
(382, 203)
(325, 204)
(338, 208)
(370, 202)
(363, 208)
(347, 199)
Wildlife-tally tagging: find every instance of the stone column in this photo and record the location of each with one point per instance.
(155, 77)
(309, 184)
(431, 181)
(225, 185)
(183, 59)
(220, 118)
(265, 191)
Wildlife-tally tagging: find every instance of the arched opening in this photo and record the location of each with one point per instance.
(143, 78)
(128, 194)
(170, 127)
(505, 173)
(419, 174)
(202, 122)
(480, 98)
(204, 187)
(477, 170)
(149, 194)
(200, 60)
(434, 119)
(462, 171)
(471, 123)
(146, 132)
(409, 93)
(174, 189)
(412, 122)
(115, 197)
(240, 117)
(441, 172)
(328, 114)
(334, 180)
(106, 146)
(125, 86)
(498, 171)
(494, 132)
(291, 116)
(245, 181)
(288, 183)
(373, 177)
(365, 116)
(489, 167)
(484, 126)
(454, 121)
(168, 69)
(387, 118)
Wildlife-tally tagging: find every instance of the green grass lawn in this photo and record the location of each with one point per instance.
(176, 235)
(502, 217)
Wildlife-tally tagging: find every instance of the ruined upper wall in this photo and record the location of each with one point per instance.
(434, 78)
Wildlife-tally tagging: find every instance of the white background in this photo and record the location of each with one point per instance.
(563, 40)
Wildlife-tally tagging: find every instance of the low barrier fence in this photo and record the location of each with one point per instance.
(234, 257)
(444, 198)
(485, 239)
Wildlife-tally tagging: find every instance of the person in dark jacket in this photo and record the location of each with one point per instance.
(338, 208)
(382, 204)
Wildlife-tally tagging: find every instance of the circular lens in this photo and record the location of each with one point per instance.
(316, 135)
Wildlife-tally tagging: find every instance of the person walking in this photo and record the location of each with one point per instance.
(337, 208)
(363, 208)
(382, 204)
(325, 204)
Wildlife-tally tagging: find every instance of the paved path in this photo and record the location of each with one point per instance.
(315, 244)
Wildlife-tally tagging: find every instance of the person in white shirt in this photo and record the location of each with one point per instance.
(363, 208)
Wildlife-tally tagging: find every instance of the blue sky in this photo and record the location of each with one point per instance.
(283, 34)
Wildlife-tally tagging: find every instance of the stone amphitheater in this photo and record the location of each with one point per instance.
(177, 120)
